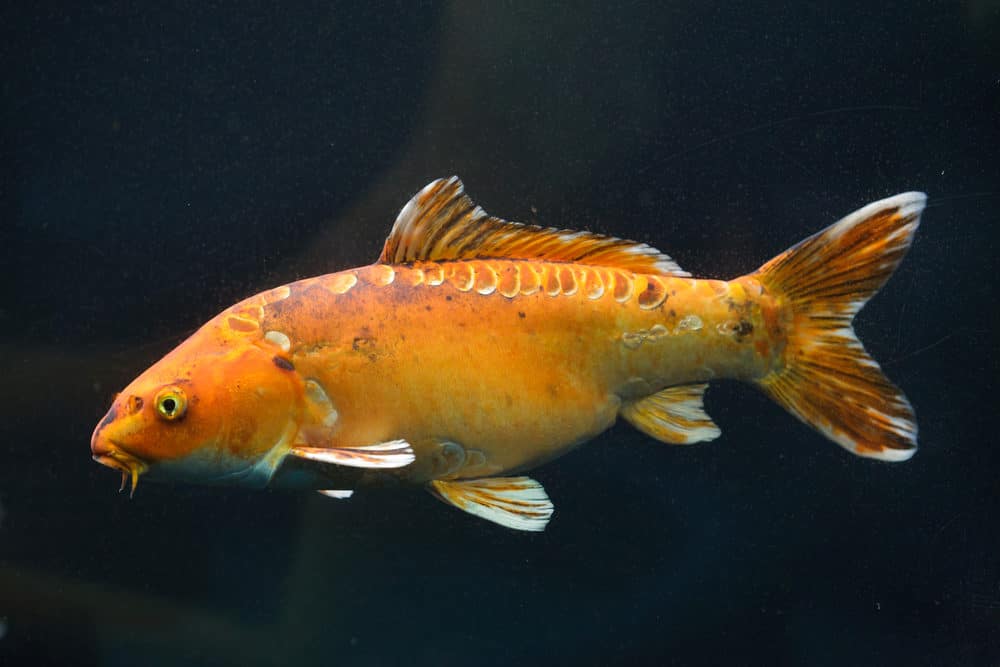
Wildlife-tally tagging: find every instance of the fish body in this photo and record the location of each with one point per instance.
(476, 349)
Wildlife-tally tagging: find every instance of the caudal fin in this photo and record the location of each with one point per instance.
(828, 380)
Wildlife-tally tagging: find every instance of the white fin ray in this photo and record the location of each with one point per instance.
(513, 502)
(392, 454)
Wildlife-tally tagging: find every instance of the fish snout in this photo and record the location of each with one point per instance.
(107, 453)
(100, 445)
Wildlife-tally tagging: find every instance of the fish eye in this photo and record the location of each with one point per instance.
(171, 403)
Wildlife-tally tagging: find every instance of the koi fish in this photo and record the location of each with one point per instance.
(475, 349)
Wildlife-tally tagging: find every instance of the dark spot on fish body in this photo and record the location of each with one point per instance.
(283, 363)
(428, 308)
(447, 297)
(359, 342)
(521, 314)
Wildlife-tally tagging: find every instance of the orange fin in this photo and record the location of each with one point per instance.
(515, 502)
(392, 454)
(442, 223)
(828, 380)
(675, 415)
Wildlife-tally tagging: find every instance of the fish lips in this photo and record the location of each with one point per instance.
(130, 466)
(110, 454)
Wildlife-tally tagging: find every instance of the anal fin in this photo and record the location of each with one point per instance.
(514, 502)
(675, 415)
(392, 454)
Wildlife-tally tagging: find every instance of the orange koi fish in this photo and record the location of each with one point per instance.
(476, 349)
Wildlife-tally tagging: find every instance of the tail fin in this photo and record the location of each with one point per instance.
(828, 380)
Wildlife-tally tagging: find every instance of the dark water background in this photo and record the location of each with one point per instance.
(156, 165)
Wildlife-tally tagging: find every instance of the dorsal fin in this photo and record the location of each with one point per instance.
(442, 223)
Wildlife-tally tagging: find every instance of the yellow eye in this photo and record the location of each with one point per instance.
(171, 403)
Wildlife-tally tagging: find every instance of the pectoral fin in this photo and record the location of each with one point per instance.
(392, 454)
(675, 415)
(515, 502)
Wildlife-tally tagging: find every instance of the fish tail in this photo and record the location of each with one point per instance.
(827, 379)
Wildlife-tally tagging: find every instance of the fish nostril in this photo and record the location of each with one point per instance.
(134, 404)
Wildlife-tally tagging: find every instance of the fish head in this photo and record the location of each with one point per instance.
(216, 410)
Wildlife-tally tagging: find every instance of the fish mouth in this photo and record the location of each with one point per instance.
(129, 466)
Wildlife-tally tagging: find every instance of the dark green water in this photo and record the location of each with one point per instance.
(157, 165)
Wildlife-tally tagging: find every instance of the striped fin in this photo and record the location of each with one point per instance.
(441, 223)
(828, 380)
(675, 415)
(515, 502)
(392, 454)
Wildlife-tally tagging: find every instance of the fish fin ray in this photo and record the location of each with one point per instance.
(514, 502)
(828, 380)
(339, 494)
(441, 223)
(392, 454)
(675, 415)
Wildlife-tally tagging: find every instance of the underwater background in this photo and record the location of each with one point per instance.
(158, 164)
